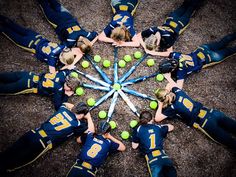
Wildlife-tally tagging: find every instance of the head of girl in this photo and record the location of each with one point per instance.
(165, 96)
(103, 127)
(71, 83)
(153, 41)
(67, 56)
(120, 33)
(81, 109)
(84, 44)
(145, 118)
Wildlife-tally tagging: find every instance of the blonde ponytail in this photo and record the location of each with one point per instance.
(165, 96)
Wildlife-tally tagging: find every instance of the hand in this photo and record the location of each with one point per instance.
(151, 52)
(70, 67)
(118, 43)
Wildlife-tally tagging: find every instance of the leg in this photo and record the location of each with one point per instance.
(169, 171)
(215, 132)
(22, 152)
(77, 171)
(54, 12)
(226, 122)
(14, 82)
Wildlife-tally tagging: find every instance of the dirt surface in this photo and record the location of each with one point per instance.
(192, 152)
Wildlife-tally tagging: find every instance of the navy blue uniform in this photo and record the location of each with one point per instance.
(205, 55)
(14, 83)
(123, 13)
(67, 27)
(150, 138)
(94, 152)
(213, 123)
(33, 42)
(174, 25)
(57, 129)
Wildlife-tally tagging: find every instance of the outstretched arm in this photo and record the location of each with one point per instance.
(172, 83)
(102, 37)
(159, 116)
(52, 69)
(91, 127)
(121, 145)
(134, 43)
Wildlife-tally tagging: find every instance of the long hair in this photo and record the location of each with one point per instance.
(67, 57)
(121, 33)
(103, 127)
(72, 82)
(165, 96)
(145, 117)
(84, 44)
(151, 42)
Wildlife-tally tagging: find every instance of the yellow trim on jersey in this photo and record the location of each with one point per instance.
(202, 113)
(149, 169)
(42, 133)
(202, 130)
(48, 147)
(87, 165)
(182, 30)
(123, 7)
(90, 172)
(31, 90)
(133, 11)
(53, 24)
(25, 48)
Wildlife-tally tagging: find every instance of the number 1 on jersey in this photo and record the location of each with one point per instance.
(152, 138)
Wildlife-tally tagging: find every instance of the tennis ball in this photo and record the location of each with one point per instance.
(116, 86)
(122, 63)
(137, 54)
(106, 63)
(91, 102)
(85, 64)
(74, 74)
(153, 105)
(97, 58)
(112, 124)
(159, 77)
(102, 114)
(125, 135)
(150, 62)
(127, 58)
(133, 123)
(79, 91)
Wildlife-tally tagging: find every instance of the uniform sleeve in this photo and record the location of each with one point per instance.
(109, 29)
(83, 137)
(59, 97)
(114, 147)
(91, 35)
(169, 112)
(135, 138)
(181, 74)
(164, 130)
(149, 32)
(52, 61)
(81, 128)
(132, 31)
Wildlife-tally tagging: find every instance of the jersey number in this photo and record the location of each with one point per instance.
(188, 104)
(124, 19)
(152, 138)
(49, 83)
(60, 119)
(94, 150)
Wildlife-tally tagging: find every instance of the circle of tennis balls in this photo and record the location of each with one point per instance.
(102, 114)
(133, 123)
(150, 62)
(91, 102)
(127, 58)
(112, 124)
(79, 91)
(137, 54)
(122, 63)
(74, 74)
(85, 64)
(106, 63)
(153, 105)
(124, 135)
(97, 58)
(159, 77)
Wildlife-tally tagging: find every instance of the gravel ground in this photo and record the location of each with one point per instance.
(192, 152)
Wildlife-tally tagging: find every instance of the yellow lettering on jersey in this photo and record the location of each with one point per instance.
(123, 7)
(117, 17)
(188, 104)
(94, 150)
(48, 83)
(173, 24)
(70, 30)
(186, 60)
(201, 55)
(124, 19)
(52, 44)
(59, 119)
(76, 28)
(46, 50)
(152, 138)
(50, 75)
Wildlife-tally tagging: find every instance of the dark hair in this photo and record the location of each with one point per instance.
(72, 82)
(145, 117)
(80, 108)
(103, 127)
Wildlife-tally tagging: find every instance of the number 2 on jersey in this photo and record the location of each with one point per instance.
(152, 138)
(94, 150)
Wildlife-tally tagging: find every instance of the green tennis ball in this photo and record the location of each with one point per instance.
(137, 54)
(159, 77)
(106, 63)
(79, 91)
(97, 58)
(102, 114)
(127, 58)
(153, 105)
(112, 124)
(116, 86)
(85, 64)
(91, 102)
(122, 63)
(125, 135)
(150, 62)
(133, 123)
(74, 74)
